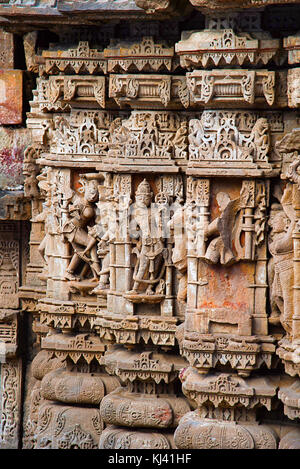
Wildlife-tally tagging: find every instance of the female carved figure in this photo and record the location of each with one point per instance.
(75, 231)
(104, 232)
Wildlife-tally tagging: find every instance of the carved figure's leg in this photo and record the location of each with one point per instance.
(42, 247)
(104, 278)
(157, 266)
(71, 268)
(143, 267)
(213, 251)
(182, 286)
(287, 284)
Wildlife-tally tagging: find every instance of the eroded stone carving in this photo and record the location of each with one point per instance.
(79, 60)
(163, 178)
(224, 47)
(231, 87)
(281, 248)
(293, 87)
(146, 55)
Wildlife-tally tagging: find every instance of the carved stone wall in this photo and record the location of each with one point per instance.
(149, 252)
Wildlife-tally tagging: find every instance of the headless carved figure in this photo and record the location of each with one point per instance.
(221, 230)
(179, 253)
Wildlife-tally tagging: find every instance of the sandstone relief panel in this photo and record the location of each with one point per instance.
(156, 303)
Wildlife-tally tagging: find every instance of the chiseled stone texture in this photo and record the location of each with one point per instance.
(157, 302)
(13, 142)
(11, 96)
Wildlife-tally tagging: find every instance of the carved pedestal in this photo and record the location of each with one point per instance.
(149, 405)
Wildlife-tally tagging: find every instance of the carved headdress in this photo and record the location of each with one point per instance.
(144, 188)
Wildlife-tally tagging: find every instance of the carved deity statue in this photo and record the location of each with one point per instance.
(75, 231)
(149, 248)
(281, 247)
(104, 232)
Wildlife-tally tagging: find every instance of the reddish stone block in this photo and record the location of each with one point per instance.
(11, 96)
(7, 50)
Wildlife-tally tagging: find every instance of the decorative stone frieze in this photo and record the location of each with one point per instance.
(231, 143)
(213, 48)
(156, 303)
(143, 56)
(144, 91)
(231, 87)
(156, 136)
(292, 44)
(82, 59)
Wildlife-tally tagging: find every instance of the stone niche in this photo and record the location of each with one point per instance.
(149, 254)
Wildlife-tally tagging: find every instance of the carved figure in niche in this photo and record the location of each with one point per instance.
(119, 134)
(49, 216)
(104, 232)
(179, 252)
(30, 171)
(223, 229)
(75, 231)
(145, 226)
(281, 247)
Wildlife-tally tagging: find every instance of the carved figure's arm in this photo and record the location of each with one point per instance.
(285, 243)
(213, 228)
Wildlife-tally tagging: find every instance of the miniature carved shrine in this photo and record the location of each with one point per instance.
(150, 224)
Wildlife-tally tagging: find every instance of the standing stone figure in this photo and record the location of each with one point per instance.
(75, 231)
(179, 252)
(281, 248)
(150, 247)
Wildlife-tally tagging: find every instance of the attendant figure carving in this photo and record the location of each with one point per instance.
(281, 247)
(104, 232)
(179, 252)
